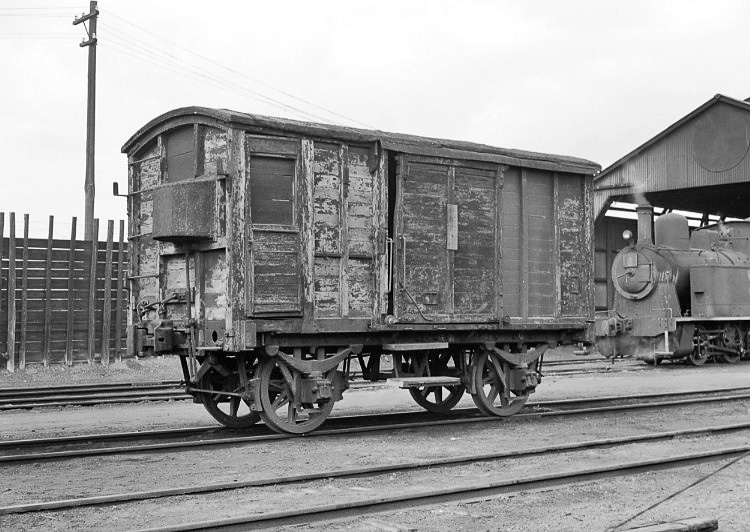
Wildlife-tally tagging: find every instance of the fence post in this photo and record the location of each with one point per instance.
(2, 248)
(107, 314)
(48, 294)
(12, 293)
(24, 293)
(120, 286)
(71, 295)
(92, 292)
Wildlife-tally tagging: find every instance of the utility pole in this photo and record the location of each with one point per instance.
(88, 187)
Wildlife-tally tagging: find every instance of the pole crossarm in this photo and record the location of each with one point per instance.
(89, 187)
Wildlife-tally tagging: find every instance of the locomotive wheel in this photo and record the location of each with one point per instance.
(491, 396)
(698, 356)
(729, 358)
(732, 339)
(440, 399)
(280, 412)
(230, 411)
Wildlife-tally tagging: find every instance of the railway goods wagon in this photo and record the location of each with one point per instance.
(278, 259)
(680, 295)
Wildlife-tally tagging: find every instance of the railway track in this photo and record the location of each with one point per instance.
(419, 497)
(88, 395)
(82, 446)
(119, 393)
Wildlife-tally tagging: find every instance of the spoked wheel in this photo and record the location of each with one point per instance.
(732, 339)
(729, 358)
(440, 399)
(231, 411)
(699, 355)
(490, 375)
(280, 410)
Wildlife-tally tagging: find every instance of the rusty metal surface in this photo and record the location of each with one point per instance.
(184, 212)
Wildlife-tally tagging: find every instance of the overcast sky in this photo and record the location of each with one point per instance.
(592, 79)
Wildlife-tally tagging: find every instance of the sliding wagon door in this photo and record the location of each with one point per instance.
(274, 248)
(448, 231)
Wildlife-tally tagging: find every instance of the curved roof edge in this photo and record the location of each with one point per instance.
(395, 141)
(716, 99)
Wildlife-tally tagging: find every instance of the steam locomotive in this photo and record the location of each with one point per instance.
(680, 295)
(275, 256)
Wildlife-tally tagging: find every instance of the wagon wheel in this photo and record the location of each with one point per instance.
(440, 399)
(280, 410)
(489, 374)
(732, 339)
(699, 354)
(231, 411)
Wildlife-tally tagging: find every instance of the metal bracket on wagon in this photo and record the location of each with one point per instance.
(517, 359)
(320, 366)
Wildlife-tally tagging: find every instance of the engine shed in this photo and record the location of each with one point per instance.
(700, 164)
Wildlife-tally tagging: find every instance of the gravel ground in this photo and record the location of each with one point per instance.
(592, 505)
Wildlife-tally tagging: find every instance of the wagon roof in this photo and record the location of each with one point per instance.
(393, 141)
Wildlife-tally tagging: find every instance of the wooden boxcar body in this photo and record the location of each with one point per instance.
(308, 245)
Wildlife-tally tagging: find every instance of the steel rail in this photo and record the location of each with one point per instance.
(146, 434)
(430, 497)
(179, 396)
(365, 471)
(77, 388)
(173, 446)
(120, 393)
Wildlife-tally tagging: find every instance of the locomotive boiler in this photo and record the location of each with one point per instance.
(278, 259)
(680, 295)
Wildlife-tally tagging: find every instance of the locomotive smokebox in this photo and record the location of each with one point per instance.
(645, 224)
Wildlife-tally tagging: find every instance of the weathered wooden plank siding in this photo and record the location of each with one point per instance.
(51, 300)
(574, 248)
(327, 226)
(276, 271)
(541, 245)
(360, 224)
(474, 260)
(511, 242)
(344, 220)
(423, 247)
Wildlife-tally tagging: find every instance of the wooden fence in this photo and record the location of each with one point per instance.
(61, 301)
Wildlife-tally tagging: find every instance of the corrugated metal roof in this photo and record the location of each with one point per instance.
(687, 166)
(718, 98)
(393, 141)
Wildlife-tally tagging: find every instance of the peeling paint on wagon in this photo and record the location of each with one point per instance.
(328, 240)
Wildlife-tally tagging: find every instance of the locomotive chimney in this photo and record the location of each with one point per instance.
(645, 224)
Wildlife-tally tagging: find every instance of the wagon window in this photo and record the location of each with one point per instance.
(272, 190)
(180, 154)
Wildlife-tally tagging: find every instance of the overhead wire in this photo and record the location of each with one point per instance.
(36, 36)
(180, 66)
(141, 56)
(241, 74)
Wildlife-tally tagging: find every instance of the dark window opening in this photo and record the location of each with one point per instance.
(180, 154)
(272, 190)
(392, 177)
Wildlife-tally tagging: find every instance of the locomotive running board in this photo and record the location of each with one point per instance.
(418, 382)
